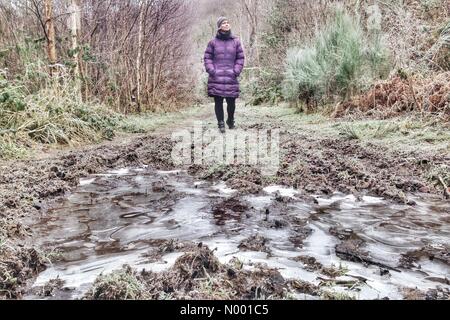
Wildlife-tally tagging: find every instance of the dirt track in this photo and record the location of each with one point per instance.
(312, 164)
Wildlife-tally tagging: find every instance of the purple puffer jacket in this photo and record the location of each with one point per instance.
(224, 61)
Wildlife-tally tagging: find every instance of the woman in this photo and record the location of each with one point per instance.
(224, 61)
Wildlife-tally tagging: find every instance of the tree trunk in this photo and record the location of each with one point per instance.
(74, 25)
(251, 9)
(139, 55)
(50, 29)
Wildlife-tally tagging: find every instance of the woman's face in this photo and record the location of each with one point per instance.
(225, 26)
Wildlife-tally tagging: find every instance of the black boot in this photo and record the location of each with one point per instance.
(222, 127)
(230, 123)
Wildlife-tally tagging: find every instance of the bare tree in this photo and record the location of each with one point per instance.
(139, 54)
(251, 8)
(51, 37)
(126, 53)
(74, 25)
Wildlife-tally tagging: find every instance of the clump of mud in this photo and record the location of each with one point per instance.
(254, 243)
(166, 246)
(172, 245)
(351, 250)
(432, 294)
(344, 234)
(17, 265)
(299, 235)
(197, 264)
(195, 275)
(282, 199)
(312, 265)
(438, 294)
(245, 172)
(351, 246)
(243, 178)
(305, 287)
(229, 209)
(48, 290)
(299, 230)
(274, 223)
(412, 258)
(244, 186)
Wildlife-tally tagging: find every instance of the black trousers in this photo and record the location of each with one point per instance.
(231, 107)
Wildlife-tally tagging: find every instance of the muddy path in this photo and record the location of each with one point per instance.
(117, 203)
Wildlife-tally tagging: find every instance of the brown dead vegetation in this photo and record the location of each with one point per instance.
(402, 94)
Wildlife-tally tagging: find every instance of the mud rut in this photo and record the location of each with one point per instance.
(366, 247)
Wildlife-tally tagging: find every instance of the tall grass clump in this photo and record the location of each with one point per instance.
(53, 114)
(340, 60)
(118, 285)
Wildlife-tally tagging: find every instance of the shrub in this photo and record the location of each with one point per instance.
(339, 61)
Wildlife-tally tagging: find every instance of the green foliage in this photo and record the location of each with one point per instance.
(265, 88)
(281, 24)
(10, 149)
(51, 117)
(87, 55)
(339, 61)
(11, 96)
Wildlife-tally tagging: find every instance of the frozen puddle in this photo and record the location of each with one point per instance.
(121, 217)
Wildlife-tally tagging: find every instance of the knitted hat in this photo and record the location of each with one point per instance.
(220, 21)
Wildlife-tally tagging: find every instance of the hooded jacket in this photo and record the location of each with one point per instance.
(224, 61)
